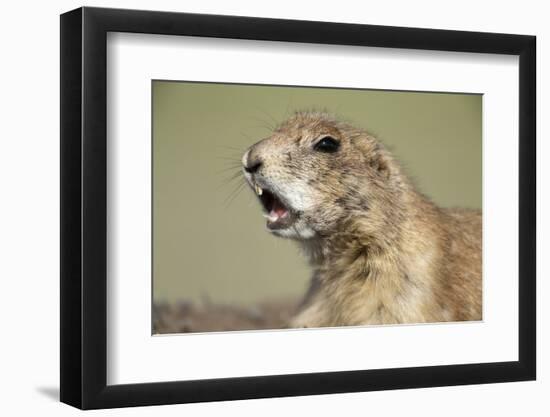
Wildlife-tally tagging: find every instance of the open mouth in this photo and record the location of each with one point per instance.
(277, 213)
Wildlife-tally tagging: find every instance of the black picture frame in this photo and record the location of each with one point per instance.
(84, 207)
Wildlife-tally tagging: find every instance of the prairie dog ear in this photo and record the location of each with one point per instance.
(381, 161)
(378, 158)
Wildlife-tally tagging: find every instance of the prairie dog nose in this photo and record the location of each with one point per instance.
(253, 166)
(251, 163)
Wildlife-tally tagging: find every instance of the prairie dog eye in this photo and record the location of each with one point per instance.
(327, 145)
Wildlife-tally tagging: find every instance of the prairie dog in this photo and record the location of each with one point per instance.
(381, 252)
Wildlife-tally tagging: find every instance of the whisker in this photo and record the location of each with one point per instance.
(235, 162)
(295, 230)
(234, 194)
(228, 158)
(231, 164)
(231, 148)
(230, 168)
(227, 155)
(229, 180)
(275, 122)
(234, 189)
(263, 123)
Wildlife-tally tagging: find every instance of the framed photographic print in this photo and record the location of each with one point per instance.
(257, 207)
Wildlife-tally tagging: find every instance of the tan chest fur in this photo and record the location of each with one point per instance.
(432, 273)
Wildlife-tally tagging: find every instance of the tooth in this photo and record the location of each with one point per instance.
(271, 217)
(259, 190)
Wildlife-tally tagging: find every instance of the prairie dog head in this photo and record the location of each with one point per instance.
(314, 172)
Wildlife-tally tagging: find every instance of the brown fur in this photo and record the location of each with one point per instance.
(381, 252)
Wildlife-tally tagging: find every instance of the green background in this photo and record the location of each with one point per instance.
(211, 244)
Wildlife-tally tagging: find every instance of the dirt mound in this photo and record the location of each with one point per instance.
(189, 317)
